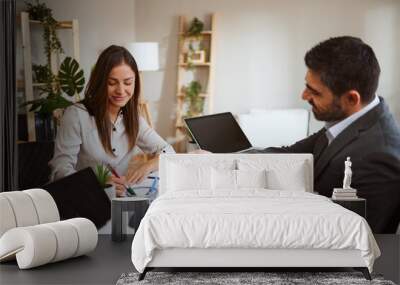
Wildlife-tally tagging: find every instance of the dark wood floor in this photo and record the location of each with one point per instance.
(102, 266)
(110, 260)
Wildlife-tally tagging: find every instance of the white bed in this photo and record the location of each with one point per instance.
(232, 211)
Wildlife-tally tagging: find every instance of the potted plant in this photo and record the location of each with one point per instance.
(69, 80)
(193, 98)
(195, 52)
(103, 175)
(195, 28)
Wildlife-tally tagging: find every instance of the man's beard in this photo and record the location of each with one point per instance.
(333, 114)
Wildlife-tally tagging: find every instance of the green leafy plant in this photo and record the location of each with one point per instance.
(195, 28)
(70, 80)
(40, 12)
(71, 77)
(45, 106)
(191, 50)
(194, 36)
(41, 73)
(193, 98)
(102, 174)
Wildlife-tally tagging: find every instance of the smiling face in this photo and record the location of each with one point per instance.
(325, 105)
(120, 86)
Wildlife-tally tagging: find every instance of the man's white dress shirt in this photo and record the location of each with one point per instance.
(333, 129)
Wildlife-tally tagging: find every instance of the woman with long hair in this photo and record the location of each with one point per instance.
(106, 127)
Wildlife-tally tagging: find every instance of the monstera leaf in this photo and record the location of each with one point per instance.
(53, 103)
(71, 77)
(45, 106)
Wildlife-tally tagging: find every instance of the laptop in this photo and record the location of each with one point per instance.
(218, 133)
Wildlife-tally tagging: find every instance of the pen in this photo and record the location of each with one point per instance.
(127, 188)
(153, 177)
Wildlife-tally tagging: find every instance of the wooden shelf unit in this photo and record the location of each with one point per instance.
(60, 25)
(28, 84)
(201, 71)
(186, 65)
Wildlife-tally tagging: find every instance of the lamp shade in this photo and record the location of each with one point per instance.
(145, 54)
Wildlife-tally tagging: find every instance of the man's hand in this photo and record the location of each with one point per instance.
(200, 151)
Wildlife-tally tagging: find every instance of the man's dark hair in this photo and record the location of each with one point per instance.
(345, 63)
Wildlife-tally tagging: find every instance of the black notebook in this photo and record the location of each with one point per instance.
(80, 195)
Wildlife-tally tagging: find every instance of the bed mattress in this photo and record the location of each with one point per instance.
(250, 219)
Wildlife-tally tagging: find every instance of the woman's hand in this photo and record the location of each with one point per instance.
(140, 171)
(119, 185)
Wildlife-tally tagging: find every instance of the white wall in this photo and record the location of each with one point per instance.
(101, 23)
(260, 46)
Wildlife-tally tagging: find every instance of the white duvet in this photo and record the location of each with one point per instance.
(252, 218)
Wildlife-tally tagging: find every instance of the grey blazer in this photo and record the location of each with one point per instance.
(373, 143)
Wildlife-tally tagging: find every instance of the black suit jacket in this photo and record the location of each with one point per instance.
(373, 143)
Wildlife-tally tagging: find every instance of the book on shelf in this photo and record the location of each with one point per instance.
(342, 190)
(345, 194)
(340, 197)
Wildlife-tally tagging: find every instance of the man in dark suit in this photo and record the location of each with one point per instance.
(341, 82)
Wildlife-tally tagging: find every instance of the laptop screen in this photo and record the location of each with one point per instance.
(218, 133)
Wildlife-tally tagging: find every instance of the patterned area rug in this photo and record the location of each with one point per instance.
(273, 278)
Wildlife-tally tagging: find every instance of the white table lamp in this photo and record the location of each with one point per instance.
(145, 54)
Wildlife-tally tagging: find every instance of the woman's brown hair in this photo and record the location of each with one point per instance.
(96, 99)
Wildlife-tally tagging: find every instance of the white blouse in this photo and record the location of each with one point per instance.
(78, 144)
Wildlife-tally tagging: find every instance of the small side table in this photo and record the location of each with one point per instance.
(357, 205)
(138, 205)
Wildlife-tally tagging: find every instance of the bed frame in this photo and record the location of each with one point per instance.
(242, 258)
(256, 258)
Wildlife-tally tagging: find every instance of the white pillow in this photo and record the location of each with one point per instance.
(236, 179)
(188, 177)
(251, 178)
(224, 179)
(280, 174)
(292, 179)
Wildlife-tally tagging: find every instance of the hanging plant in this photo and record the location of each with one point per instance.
(71, 77)
(40, 12)
(52, 43)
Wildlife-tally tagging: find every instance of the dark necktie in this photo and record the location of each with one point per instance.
(320, 145)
